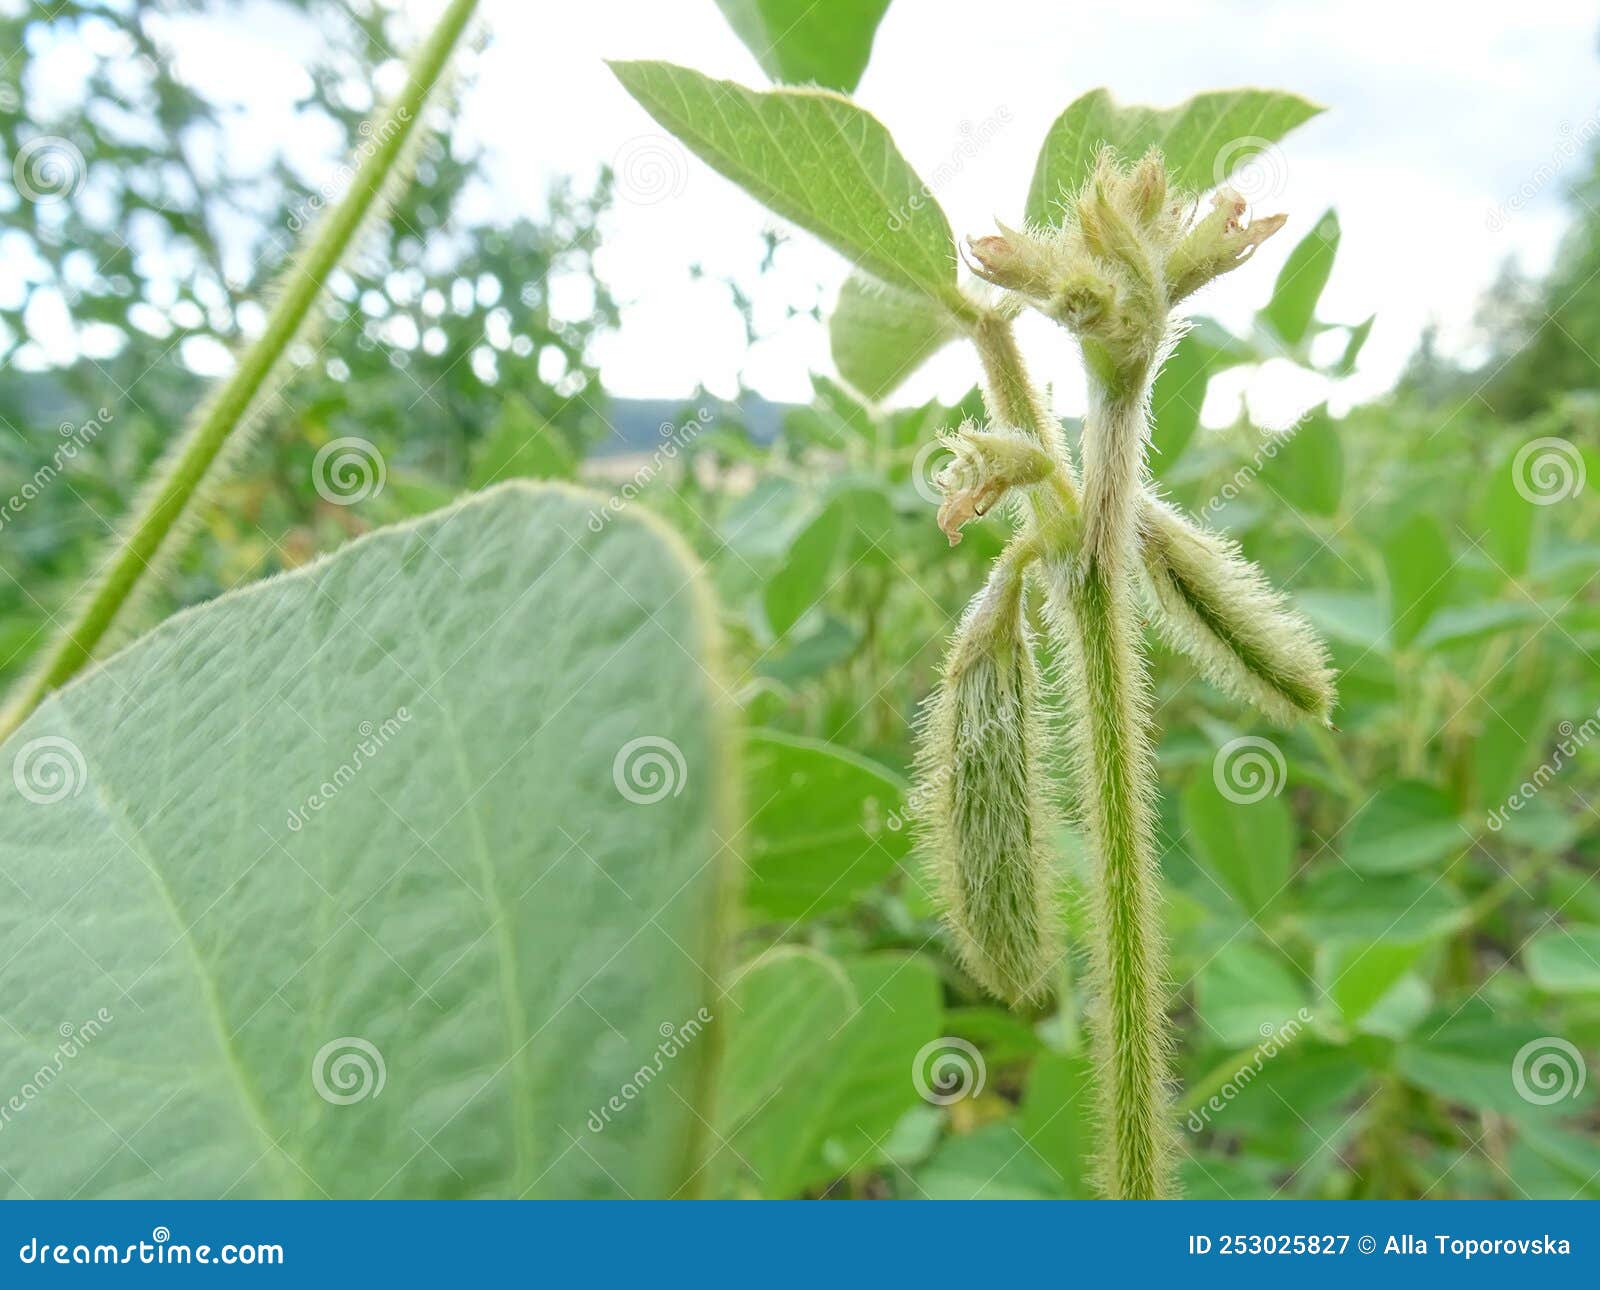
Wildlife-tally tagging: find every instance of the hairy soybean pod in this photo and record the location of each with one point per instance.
(981, 801)
(1216, 607)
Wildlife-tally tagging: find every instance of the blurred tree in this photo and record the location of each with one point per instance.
(138, 245)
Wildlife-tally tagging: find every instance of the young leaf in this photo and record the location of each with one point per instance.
(1301, 280)
(1248, 845)
(880, 335)
(1205, 139)
(1353, 345)
(815, 158)
(521, 445)
(1420, 567)
(1408, 825)
(815, 1110)
(1179, 393)
(339, 854)
(824, 825)
(1306, 468)
(808, 42)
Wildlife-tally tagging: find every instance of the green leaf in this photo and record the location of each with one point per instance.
(521, 445)
(1353, 345)
(880, 335)
(1301, 280)
(1245, 993)
(822, 825)
(1058, 1122)
(1306, 466)
(1472, 1057)
(1503, 520)
(1420, 567)
(993, 1162)
(1408, 825)
(1338, 904)
(1565, 960)
(1246, 845)
(806, 571)
(442, 806)
(1205, 139)
(1356, 976)
(785, 1007)
(1179, 392)
(808, 42)
(814, 158)
(824, 1114)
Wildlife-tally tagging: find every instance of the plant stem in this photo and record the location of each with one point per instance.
(1093, 602)
(167, 501)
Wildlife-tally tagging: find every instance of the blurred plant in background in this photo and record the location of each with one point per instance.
(1385, 939)
(141, 245)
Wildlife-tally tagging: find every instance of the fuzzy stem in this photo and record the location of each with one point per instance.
(1093, 602)
(173, 493)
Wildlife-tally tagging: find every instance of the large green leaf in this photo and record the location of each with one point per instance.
(1245, 993)
(395, 876)
(1421, 569)
(1406, 825)
(1205, 139)
(818, 1092)
(1306, 466)
(806, 42)
(1179, 393)
(815, 158)
(1565, 960)
(1246, 844)
(879, 335)
(822, 825)
(1301, 280)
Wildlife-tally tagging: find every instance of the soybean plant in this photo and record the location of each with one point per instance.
(1088, 533)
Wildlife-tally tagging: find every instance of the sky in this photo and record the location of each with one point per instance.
(1446, 148)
